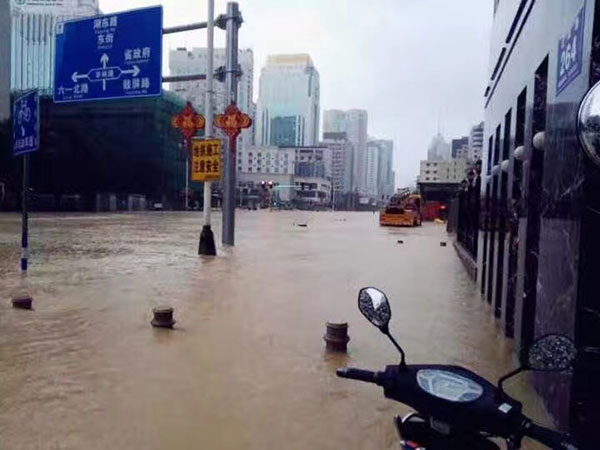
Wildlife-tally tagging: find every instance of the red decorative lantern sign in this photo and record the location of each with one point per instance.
(188, 122)
(232, 122)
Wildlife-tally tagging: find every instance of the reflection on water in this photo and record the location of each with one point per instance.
(245, 365)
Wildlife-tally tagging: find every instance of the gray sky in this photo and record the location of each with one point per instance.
(407, 62)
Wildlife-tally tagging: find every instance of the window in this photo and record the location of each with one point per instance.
(258, 169)
(249, 169)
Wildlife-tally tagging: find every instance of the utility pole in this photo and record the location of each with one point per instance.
(234, 20)
(207, 238)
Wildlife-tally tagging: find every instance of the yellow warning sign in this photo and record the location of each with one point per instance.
(206, 159)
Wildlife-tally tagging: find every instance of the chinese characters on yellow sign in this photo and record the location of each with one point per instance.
(206, 159)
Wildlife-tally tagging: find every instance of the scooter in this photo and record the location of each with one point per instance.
(456, 408)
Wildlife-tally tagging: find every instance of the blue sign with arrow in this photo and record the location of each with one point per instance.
(26, 123)
(108, 57)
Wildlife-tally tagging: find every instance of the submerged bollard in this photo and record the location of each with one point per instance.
(22, 302)
(337, 337)
(163, 317)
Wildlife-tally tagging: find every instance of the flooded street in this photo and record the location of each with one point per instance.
(245, 366)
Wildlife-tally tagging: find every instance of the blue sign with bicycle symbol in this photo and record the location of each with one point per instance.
(26, 123)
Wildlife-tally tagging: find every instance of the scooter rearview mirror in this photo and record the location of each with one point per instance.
(552, 352)
(374, 305)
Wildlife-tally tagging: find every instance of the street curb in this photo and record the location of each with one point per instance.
(467, 260)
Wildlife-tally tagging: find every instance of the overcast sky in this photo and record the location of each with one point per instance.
(409, 63)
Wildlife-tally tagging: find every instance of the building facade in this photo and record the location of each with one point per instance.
(341, 160)
(476, 142)
(315, 161)
(385, 174)
(334, 121)
(372, 169)
(458, 144)
(354, 122)
(32, 38)
(539, 251)
(453, 171)
(267, 160)
(439, 149)
(183, 61)
(288, 105)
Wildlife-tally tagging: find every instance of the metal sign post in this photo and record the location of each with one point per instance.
(234, 19)
(207, 245)
(26, 139)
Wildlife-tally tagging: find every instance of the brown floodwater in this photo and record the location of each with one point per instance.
(245, 366)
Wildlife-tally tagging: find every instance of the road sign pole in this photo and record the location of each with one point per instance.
(207, 239)
(231, 69)
(187, 180)
(25, 215)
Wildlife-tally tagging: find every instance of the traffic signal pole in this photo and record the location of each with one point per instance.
(207, 238)
(234, 19)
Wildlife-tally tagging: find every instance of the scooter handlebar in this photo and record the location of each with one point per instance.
(357, 374)
(550, 438)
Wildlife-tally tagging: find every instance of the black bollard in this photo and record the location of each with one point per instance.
(163, 317)
(400, 241)
(337, 337)
(443, 244)
(22, 302)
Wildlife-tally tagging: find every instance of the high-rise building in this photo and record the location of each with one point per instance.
(32, 39)
(476, 142)
(341, 160)
(385, 180)
(334, 121)
(185, 62)
(354, 122)
(372, 169)
(288, 105)
(5, 40)
(439, 149)
(458, 144)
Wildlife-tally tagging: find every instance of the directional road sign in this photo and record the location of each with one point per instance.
(111, 56)
(26, 136)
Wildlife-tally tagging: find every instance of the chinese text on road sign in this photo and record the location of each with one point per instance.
(26, 123)
(206, 159)
(112, 56)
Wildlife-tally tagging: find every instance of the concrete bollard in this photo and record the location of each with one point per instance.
(443, 244)
(336, 337)
(22, 302)
(163, 317)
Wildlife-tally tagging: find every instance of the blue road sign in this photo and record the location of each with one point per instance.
(110, 56)
(26, 136)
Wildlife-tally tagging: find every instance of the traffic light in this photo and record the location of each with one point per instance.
(263, 185)
(271, 184)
